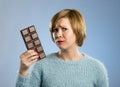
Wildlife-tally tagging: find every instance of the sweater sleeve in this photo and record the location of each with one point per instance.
(102, 80)
(33, 79)
(21, 81)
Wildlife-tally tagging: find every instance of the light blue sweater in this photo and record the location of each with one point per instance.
(55, 72)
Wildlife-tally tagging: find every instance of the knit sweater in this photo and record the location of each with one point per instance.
(55, 72)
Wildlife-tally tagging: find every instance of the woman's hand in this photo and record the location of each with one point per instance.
(26, 59)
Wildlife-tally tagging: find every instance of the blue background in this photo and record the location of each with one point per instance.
(102, 42)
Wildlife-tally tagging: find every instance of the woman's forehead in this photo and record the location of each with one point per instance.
(62, 22)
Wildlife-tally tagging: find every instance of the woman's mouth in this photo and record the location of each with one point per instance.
(60, 42)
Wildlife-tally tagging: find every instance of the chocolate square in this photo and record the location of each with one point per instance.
(34, 35)
(24, 32)
(30, 45)
(32, 29)
(39, 49)
(28, 38)
(37, 42)
(42, 55)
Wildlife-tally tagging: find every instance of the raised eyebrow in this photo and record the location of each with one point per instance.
(62, 27)
(54, 29)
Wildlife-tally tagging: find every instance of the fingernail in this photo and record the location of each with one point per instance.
(36, 51)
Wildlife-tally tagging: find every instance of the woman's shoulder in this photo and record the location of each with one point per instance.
(91, 59)
(96, 63)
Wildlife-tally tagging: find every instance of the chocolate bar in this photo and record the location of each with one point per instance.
(32, 40)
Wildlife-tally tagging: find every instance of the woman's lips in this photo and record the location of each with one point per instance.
(60, 42)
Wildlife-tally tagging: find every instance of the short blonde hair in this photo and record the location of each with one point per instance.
(76, 20)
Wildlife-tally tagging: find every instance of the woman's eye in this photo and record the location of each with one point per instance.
(64, 29)
(55, 30)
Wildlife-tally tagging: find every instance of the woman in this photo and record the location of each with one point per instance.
(68, 67)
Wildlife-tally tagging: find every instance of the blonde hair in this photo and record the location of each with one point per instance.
(76, 20)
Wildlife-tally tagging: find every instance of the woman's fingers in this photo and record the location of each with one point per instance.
(29, 57)
(28, 54)
(32, 58)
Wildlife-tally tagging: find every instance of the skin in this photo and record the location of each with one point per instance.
(64, 38)
(26, 59)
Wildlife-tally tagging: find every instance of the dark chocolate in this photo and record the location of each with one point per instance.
(32, 40)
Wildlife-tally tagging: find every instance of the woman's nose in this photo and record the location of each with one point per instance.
(59, 33)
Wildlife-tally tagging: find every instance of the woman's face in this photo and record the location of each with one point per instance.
(63, 34)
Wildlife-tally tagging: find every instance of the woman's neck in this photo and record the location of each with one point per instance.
(71, 54)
